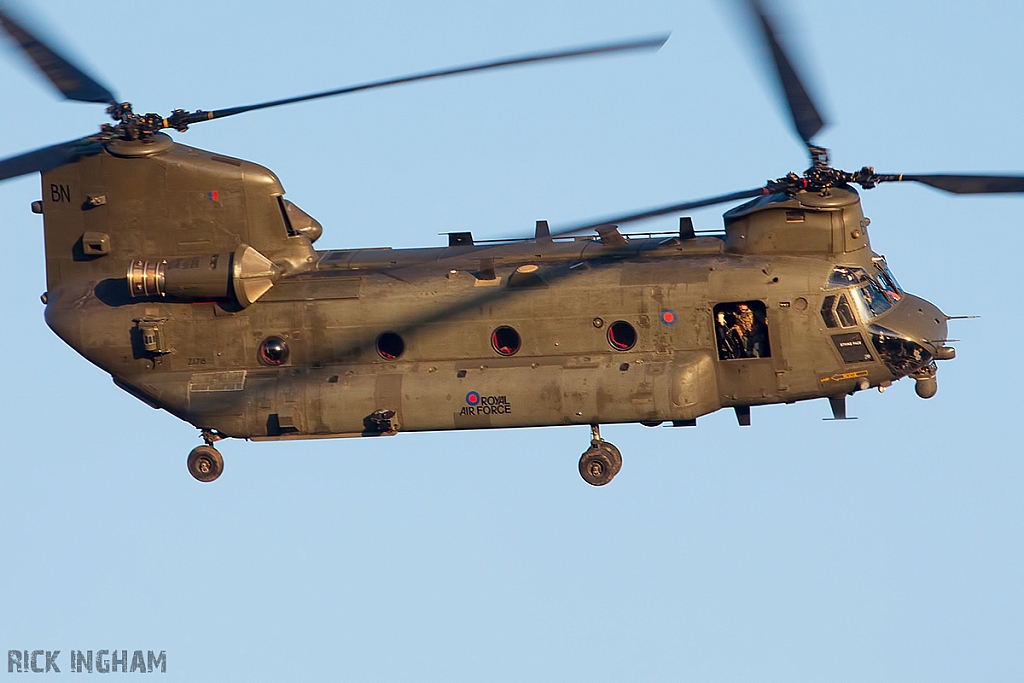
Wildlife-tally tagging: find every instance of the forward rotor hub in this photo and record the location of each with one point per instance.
(132, 126)
(821, 178)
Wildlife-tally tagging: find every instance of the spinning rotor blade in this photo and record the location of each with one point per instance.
(48, 158)
(659, 211)
(71, 81)
(806, 119)
(651, 43)
(966, 184)
(629, 218)
(549, 274)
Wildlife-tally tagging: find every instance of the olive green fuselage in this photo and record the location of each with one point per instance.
(329, 309)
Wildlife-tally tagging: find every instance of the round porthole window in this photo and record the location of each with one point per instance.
(621, 335)
(390, 346)
(505, 340)
(273, 351)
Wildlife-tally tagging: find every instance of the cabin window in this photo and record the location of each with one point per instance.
(621, 335)
(506, 340)
(390, 346)
(742, 330)
(273, 351)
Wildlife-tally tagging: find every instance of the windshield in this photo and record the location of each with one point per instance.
(887, 280)
(844, 276)
(871, 297)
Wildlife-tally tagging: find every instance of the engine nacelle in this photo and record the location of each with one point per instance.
(243, 276)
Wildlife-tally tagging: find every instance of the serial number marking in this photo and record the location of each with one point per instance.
(60, 193)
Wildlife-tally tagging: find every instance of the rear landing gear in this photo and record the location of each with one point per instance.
(601, 462)
(205, 463)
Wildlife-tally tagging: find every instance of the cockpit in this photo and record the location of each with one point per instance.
(867, 294)
(873, 293)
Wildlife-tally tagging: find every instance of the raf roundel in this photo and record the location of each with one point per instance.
(472, 398)
(668, 317)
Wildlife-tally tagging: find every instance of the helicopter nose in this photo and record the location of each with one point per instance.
(920, 321)
(909, 337)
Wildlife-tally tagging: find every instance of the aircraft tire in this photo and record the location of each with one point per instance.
(600, 463)
(614, 454)
(205, 463)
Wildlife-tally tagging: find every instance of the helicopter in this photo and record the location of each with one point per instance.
(190, 279)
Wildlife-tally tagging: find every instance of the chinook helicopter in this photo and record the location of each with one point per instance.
(188, 277)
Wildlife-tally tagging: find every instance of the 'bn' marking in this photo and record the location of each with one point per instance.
(60, 193)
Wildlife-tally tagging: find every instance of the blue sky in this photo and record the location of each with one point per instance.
(887, 548)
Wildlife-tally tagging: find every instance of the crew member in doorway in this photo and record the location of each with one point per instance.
(741, 332)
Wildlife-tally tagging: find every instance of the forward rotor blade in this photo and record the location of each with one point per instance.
(70, 80)
(806, 119)
(550, 274)
(620, 220)
(659, 211)
(969, 184)
(651, 43)
(48, 158)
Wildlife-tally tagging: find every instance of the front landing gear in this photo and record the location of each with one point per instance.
(205, 463)
(601, 462)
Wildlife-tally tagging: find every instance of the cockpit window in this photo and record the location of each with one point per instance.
(845, 312)
(900, 355)
(844, 276)
(828, 311)
(873, 299)
(888, 281)
(837, 312)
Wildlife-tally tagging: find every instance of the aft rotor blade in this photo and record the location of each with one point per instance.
(69, 79)
(650, 43)
(48, 158)
(659, 211)
(806, 118)
(967, 184)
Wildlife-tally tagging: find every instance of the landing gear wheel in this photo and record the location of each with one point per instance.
(205, 463)
(600, 463)
(615, 455)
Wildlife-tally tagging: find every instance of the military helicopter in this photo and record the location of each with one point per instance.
(188, 277)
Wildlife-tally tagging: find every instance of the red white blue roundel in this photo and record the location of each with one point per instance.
(668, 317)
(473, 398)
